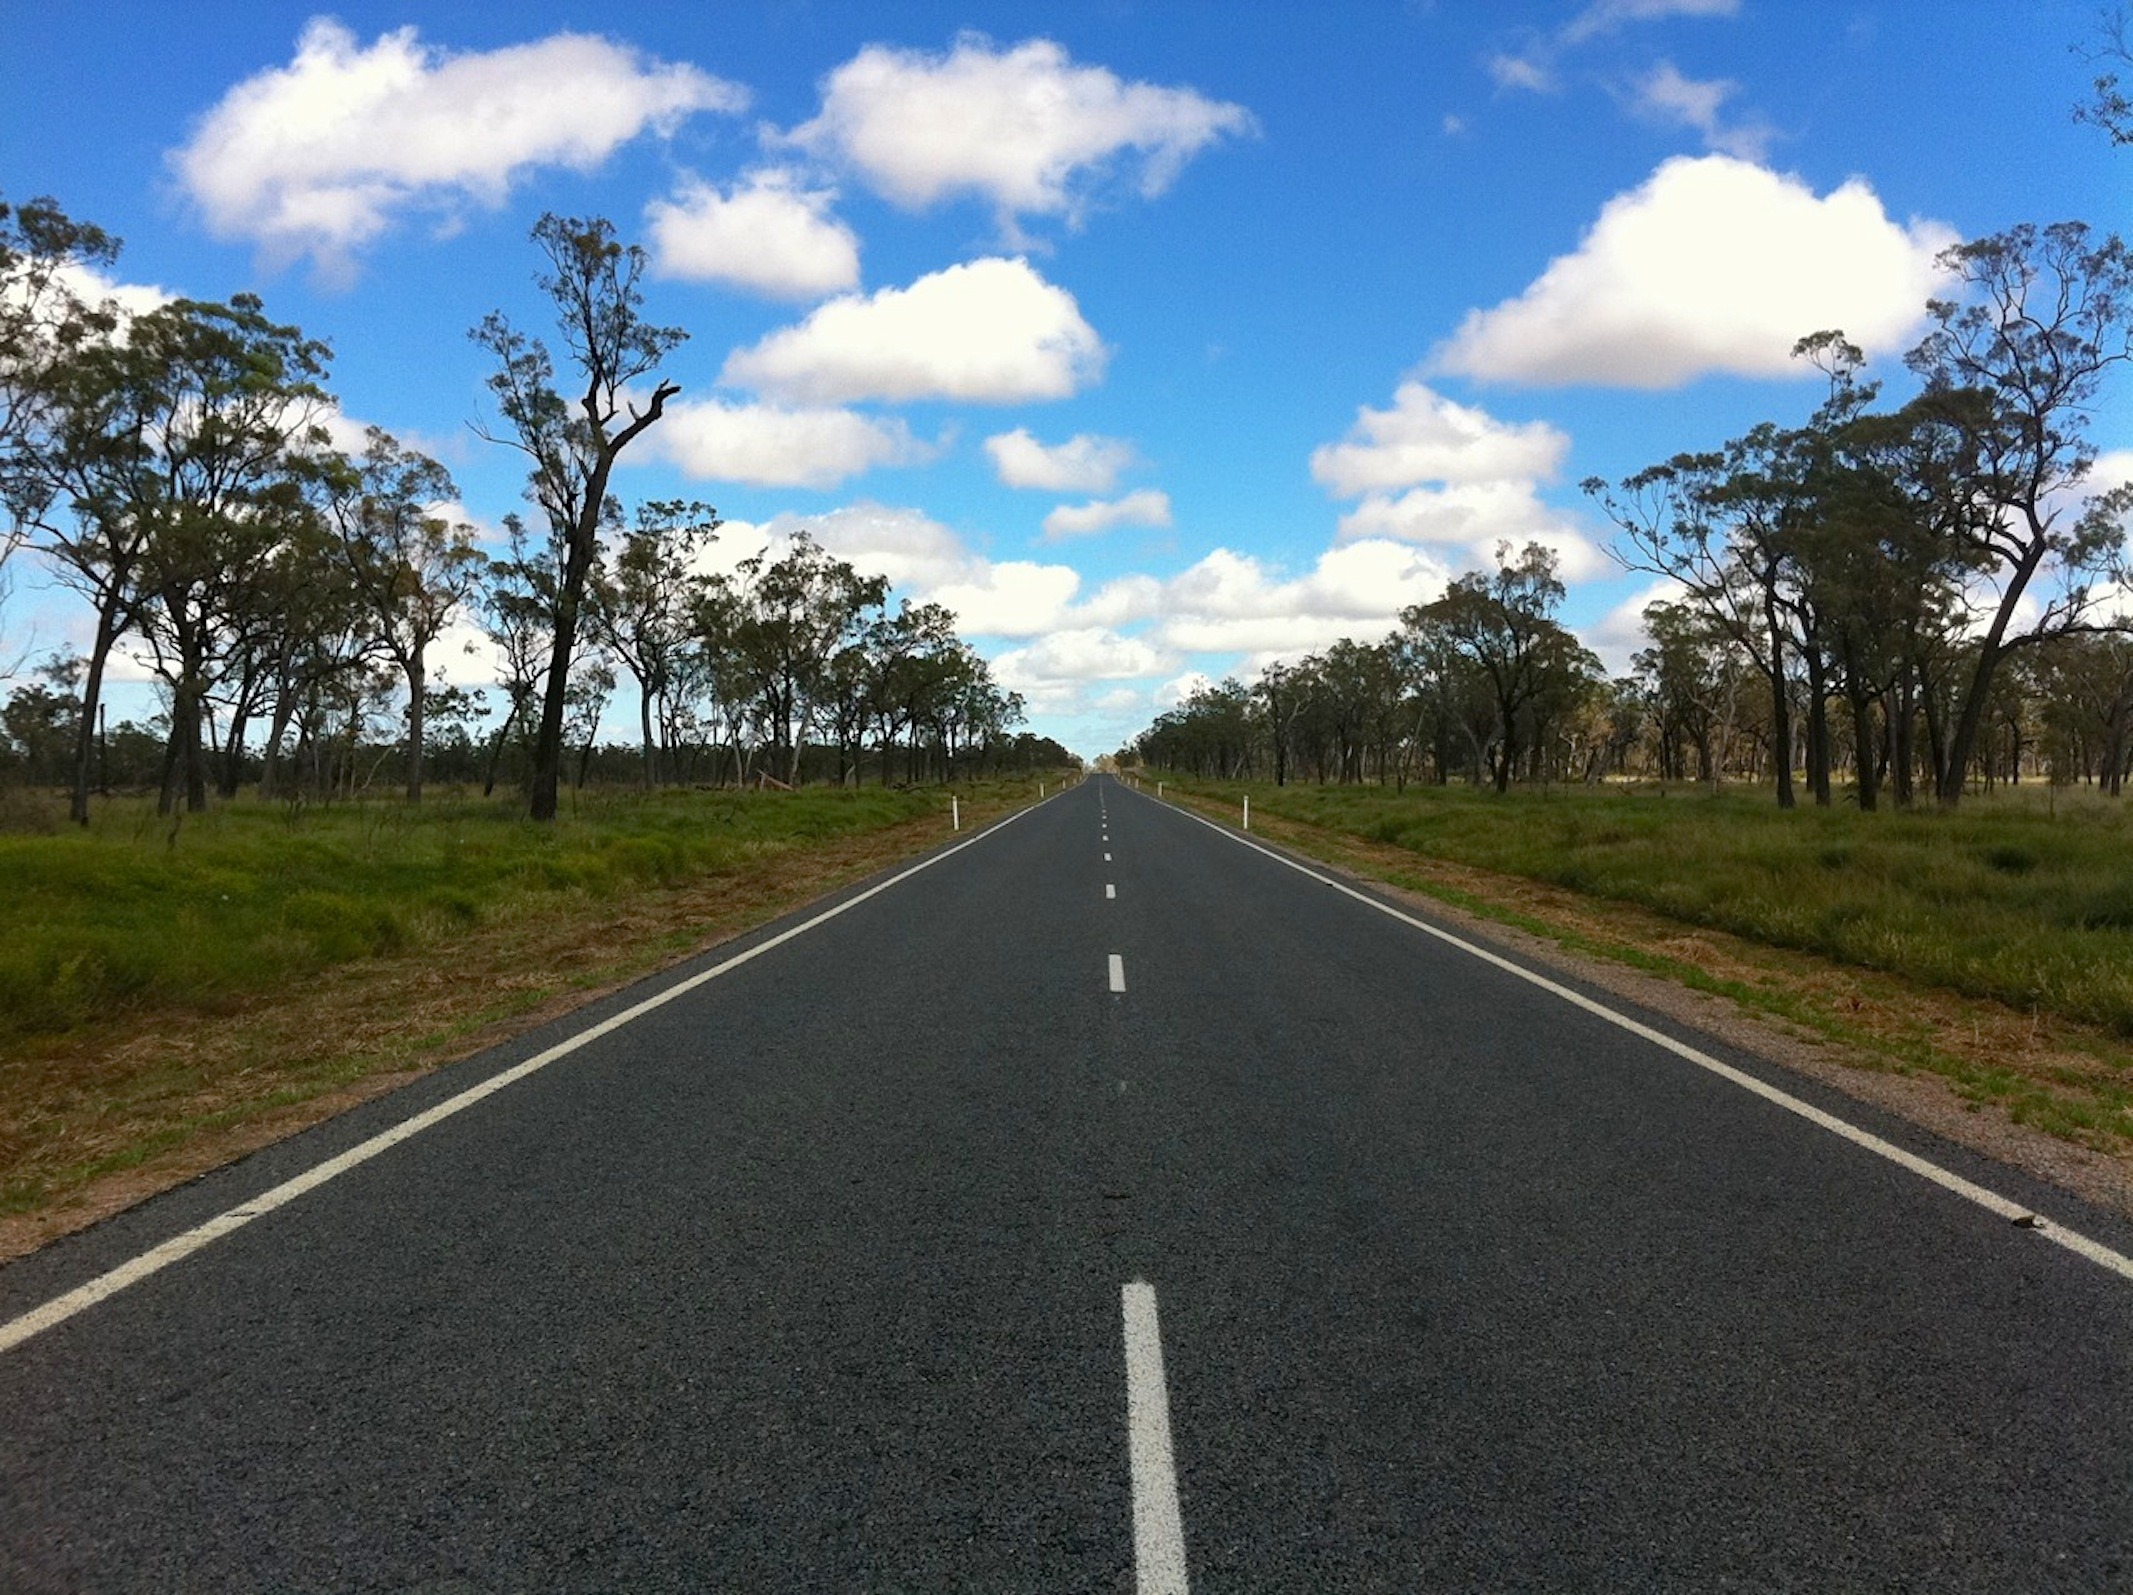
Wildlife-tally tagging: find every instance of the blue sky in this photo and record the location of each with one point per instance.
(1333, 298)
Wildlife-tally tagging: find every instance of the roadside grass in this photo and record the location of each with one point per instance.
(2024, 898)
(1986, 947)
(137, 914)
(173, 996)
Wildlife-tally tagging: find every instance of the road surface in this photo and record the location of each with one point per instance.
(1103, 1205)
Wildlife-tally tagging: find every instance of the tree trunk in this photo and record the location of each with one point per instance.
(417, 683)
(270, 778)
(233, 748)
(1863, 757)
(545, 778)
(85, 736)
(496, 748)
(644, 716)
(1818, 751)
(1780, 708)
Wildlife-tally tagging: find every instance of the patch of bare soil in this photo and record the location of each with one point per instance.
(98, 1122)
(1869, 1028)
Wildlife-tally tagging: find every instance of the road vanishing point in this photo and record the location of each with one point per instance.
(1104, 1202)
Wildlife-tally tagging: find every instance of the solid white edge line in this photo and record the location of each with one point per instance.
(60, 1308)
(2073, 1240)
(1158, 1528)
(1118, 973)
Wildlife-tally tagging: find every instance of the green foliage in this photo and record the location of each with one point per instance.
(2023, 899)
(132, 915)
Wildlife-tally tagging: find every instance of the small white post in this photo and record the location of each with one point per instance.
(1247, 811)
(1040, 789)
(955, 812)
(1158, 789)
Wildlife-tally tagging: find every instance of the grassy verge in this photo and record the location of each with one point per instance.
(170, 1000)
(1981, 947)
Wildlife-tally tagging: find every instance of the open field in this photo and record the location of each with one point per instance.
(1992, 947)
(172, 998)
(2017, 899)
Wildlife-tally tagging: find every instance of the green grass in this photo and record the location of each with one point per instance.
(137, 915)
(2022, 898)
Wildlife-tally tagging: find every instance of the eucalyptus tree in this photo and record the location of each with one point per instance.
(97, 470)
(644, 606)
(44, 322)
(1691, 675)
(1503, 625)
(319, 637)
(906, 651)
(2088, 683)
(2110, 52)
(1279, 698)
(571, 446)
(2016, 366)
(411, 568)
(190, 468)
(516, 612)
(794, 615)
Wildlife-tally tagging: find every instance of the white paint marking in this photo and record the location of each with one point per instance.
(1118, 973)
(1107, 858)
(1158, 1529)
(2001, 1206)
(58, 1310)
(1110, 891)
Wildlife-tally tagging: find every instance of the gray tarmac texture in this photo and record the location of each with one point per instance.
(810, 1281)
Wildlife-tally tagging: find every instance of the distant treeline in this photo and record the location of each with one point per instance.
(178, 470)
(1915, 600)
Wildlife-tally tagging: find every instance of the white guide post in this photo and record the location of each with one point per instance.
(1247, 811)
(955, 812)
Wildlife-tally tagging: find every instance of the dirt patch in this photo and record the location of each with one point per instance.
(94, 1123)
(1967, 1070)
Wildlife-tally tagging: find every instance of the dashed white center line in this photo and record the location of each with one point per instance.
(1118, 973)
(1110, 890)
(1158, 1530)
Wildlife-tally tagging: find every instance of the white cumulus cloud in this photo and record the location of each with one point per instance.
(94, 287)
(989, 331)
(1025, 128)
(769, 445)
(1469, 519)
(1427, 437)
(1087, 653)
(317, 158)
(1713, 264)
(768, 234)
(1471, 481)
(1084, 463)
(1148, 507)
(1620, 634)
(1010, 598)
(1230, 602)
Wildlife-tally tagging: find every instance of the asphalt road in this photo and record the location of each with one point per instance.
(813, 1277)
